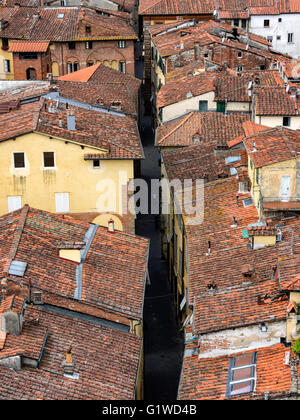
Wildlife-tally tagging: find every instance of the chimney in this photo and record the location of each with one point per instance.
(209, 248)
(111, 226)
(234, 222)
(35, 17)
(197, 52)
(3, 287)
(68, 364)
(60, 123)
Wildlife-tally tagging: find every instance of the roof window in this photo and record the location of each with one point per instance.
(242, 374)
(60, 16)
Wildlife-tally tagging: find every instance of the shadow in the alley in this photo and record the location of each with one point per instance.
(162, 339)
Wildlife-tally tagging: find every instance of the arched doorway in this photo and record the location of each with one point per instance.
(31, 73)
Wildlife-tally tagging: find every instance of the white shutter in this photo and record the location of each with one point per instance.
(62, 202)
(14, 203)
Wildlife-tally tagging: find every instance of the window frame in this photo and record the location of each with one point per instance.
(288, 119)
(54, 161)
(232, 368)
(122, 67)
(88, 45)
(266, 25)
(96, 166)
(122, 43)
(14, 160)
(10, 198)
(290, 39)
(6, 66)
(72, 45)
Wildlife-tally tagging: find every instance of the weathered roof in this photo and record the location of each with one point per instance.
(62, 24)
(204, 379)
(105, 360)
(273, 145)
(114, 270)
(211, 127)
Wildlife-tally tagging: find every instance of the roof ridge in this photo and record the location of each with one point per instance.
(16, 238)
(188, 116)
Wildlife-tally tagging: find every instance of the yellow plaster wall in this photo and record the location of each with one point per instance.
(5, 55)
(88, 188)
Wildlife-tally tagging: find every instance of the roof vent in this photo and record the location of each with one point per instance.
(248, 270)
(234, 224)
(38, 298)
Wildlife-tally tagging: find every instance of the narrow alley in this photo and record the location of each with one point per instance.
(162, 339)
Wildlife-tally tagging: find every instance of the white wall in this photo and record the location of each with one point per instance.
(192, 104)
(276, 121)
(289, 23)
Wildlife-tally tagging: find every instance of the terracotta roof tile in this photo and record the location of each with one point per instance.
(105, 360)
(272, 146)
(207, 378)
(113, 272)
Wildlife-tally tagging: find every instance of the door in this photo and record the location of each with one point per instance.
(285, 188)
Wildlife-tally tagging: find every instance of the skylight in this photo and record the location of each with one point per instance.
(242, 374)
(17, 268)
(60, 16)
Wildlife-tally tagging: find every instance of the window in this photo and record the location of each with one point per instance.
(96, 163)
(240, 54)
(257, 176)
(236, 22)
(7, 66)
(49, 161)
(61, 15)
(90, 63)
(88, 45)
(242, 374)
(248, 202)
(28, 56)
(203, 106)
(279, 20)
(221, 107)
(4, 44)
(72, 67)
(278, 37)
(19, 160)
(244, 23)
(239, 69)
(122, 66)
(122, 44)
(270, 38)
(286, 121)
(88, 29)
(290, 38)
(243, 187)
(14, 203)
(266, 23)
(62, 202)
(72, 45)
